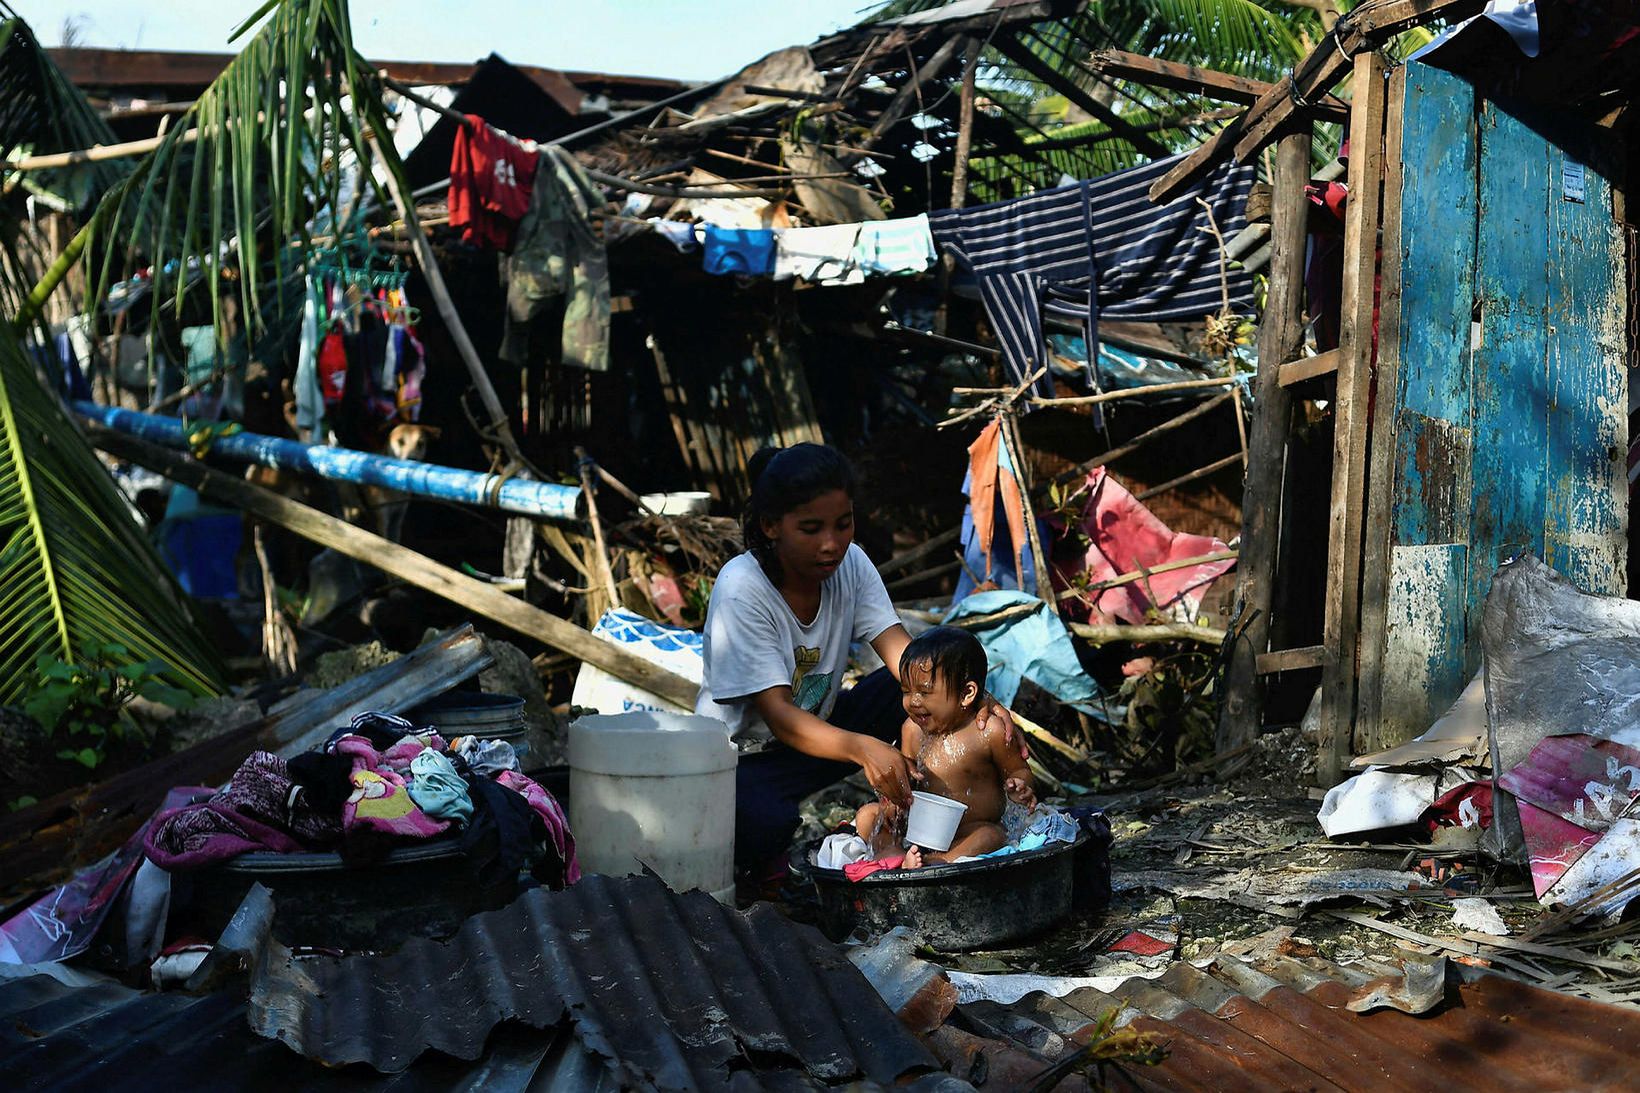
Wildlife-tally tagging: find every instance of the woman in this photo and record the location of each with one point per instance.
(778, 630)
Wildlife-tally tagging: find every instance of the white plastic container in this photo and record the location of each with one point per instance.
(932, 823)
(655, 789)
(685, 503)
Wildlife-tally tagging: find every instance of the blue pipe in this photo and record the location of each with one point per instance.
(543, 500)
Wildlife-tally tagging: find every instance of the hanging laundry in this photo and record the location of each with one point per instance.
(1099, 249)
(560, 253)
(894, 247)
(823, 255)
(680, 234)
(309, 392)
(748, 251)
(491, 179)
(332, 368)
(1123, 536)
(991, 477)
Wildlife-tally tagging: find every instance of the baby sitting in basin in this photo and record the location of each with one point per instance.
(942, 678)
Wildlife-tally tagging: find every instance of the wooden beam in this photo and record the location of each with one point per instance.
(1020, 53)
(1200, 472)
(1280, 336)
(1369, 23)
(1162, 631)
(1322, 364)
(1199, 410)
(1291, 660)
(920, 551)
(480, 597)
(908, 93)
(1155, 72)
(1342, 625)
(1140, 574)
(1375, 548)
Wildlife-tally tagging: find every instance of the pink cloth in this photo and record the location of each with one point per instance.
(552, 814)
(860, 870)
(1124, 536)
(381, 798)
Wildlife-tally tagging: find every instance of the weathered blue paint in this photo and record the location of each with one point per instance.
(1425, 633)
(1587, 489)
(1510, 366)
(1512, 435)
(545, 500)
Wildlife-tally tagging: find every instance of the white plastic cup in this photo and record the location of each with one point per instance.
(933, 820)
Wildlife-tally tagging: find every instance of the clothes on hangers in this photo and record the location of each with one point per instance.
(492, 177)
(360, 364)
(1100, 248)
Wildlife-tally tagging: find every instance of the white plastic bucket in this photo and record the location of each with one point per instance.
(655, 789)
(933, 820)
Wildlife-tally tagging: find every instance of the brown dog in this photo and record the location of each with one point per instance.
(406, 441)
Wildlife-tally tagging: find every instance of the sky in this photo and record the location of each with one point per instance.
(681, 39)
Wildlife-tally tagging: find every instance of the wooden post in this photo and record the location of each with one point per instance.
(1347, 516)
(1280, 336)
(1381, 469)
(479, 597)
(965, 124)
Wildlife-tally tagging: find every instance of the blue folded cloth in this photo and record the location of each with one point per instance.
(738, 250)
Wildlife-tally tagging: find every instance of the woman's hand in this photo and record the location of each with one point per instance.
(994, 715)
(886, 769)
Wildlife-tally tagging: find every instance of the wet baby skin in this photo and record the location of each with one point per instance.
(952, 757)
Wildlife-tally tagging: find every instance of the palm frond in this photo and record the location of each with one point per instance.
(74, 567)
(239, 178)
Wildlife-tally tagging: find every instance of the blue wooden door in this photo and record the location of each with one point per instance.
(1511, 399)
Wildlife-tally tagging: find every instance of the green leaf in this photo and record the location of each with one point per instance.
(86, 757)
(22, 803)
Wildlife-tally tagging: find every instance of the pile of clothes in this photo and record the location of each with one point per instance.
(377, 784)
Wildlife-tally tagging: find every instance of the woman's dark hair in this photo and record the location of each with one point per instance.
(782, 480)
(955, 657)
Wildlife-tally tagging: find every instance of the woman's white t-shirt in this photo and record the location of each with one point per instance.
(753, 640)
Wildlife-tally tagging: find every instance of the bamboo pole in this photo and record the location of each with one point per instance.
(587, 491)
(965, 124)
(1141, 574)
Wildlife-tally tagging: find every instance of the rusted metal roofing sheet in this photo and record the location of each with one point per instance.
(613, 983)
(1284, 1024)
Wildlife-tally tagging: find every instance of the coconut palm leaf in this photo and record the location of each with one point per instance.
(238, 180)
(41, 112)
(75, 570)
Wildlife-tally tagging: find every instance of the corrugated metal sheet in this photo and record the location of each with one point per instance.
(679, 991)
(1283, 1024)
(628, 985)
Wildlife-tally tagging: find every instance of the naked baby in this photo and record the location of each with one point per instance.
(942, 680)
